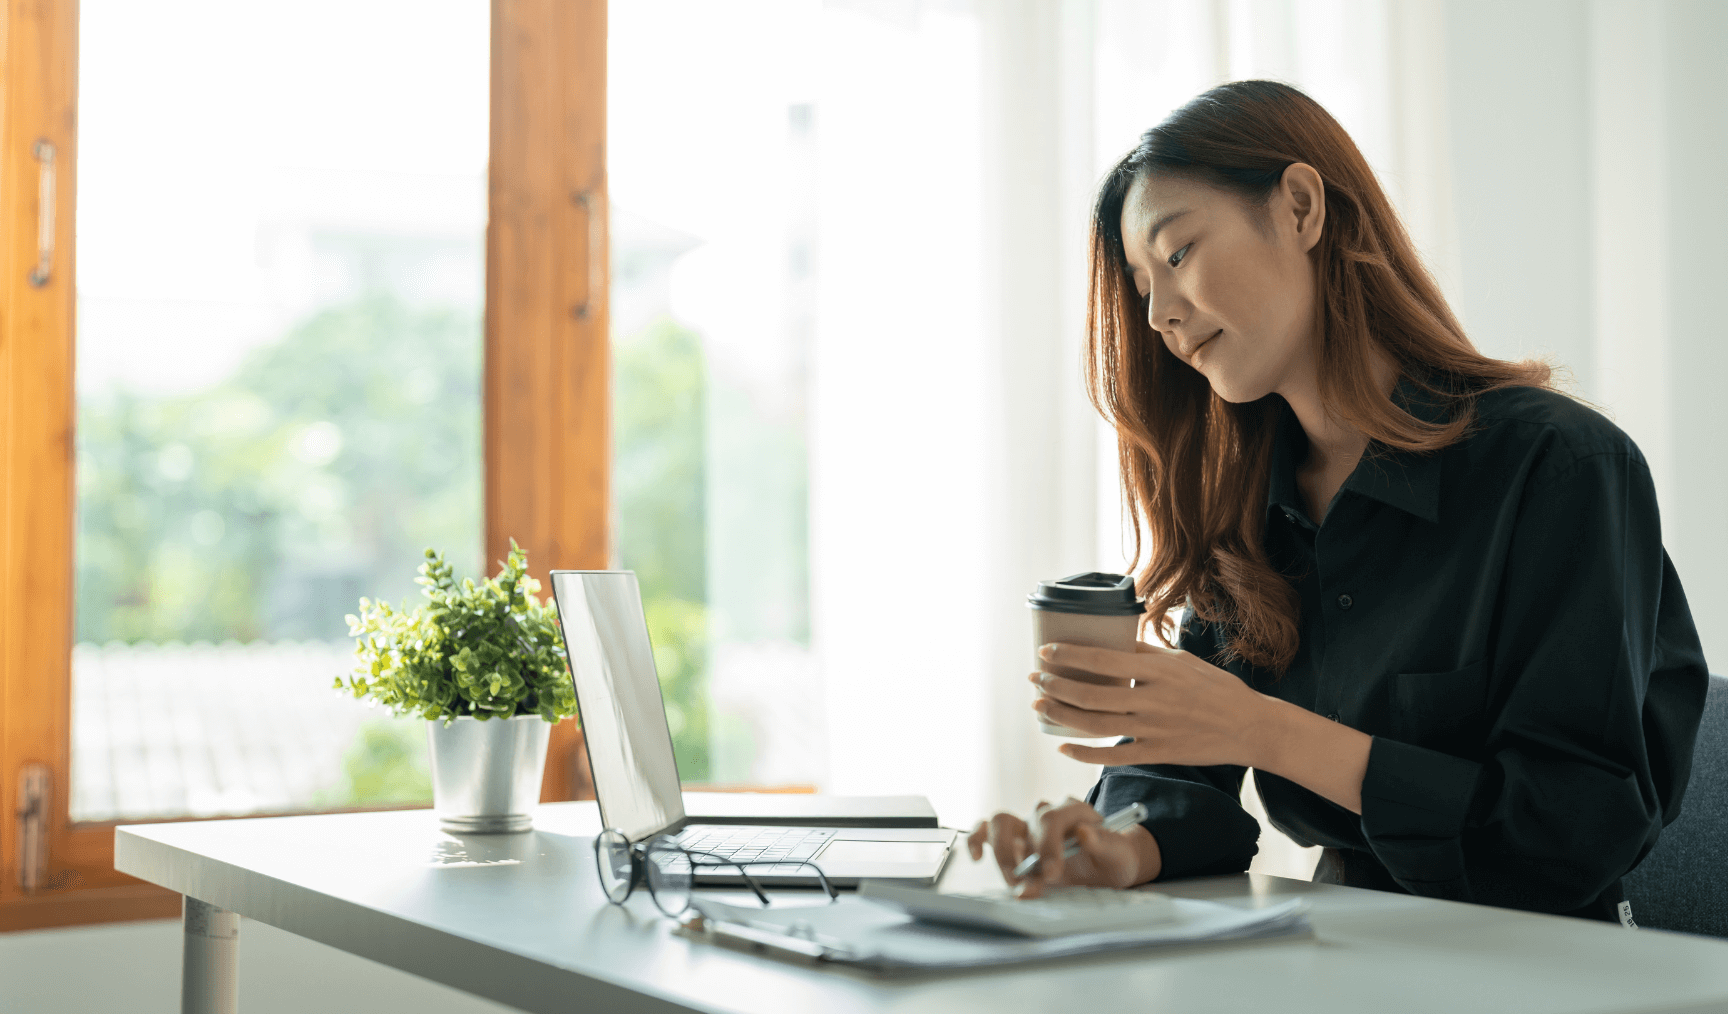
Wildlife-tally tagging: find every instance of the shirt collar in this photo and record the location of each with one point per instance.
(1402, 479)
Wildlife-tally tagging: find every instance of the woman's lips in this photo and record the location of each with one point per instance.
(1195, 351)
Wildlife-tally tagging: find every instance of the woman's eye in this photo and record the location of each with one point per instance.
(1176, 258)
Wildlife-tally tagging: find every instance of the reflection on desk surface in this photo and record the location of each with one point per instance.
(479, 850)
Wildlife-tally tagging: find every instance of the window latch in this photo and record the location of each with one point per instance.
(589, 201)
(44, 152)
(34, 782)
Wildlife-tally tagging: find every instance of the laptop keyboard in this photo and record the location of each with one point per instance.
(758, 846)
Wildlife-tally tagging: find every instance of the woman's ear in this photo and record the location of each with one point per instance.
(1306, 203)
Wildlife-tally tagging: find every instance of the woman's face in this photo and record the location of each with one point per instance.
(1229, 287)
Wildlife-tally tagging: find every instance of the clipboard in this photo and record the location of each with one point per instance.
(858, 933)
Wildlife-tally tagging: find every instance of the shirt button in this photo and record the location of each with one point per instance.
(1345, 602)
(1333, 716)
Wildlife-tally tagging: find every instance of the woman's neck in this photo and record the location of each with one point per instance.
(1334, 445)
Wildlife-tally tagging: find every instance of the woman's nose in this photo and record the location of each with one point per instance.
(1164, 314)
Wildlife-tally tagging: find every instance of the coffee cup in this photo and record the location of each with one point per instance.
(1095, 610)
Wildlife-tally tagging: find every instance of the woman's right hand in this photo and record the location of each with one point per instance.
(1106, 859)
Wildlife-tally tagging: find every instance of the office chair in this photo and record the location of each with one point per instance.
(1683, 883)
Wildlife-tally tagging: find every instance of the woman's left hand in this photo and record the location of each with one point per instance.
(1181, 710)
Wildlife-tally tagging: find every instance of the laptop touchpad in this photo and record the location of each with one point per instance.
(915, 857)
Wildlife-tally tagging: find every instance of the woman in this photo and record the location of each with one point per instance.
(1423, 595)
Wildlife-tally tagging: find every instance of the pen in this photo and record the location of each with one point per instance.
(1121, 820)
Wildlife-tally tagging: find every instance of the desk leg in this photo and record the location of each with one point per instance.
(210, 973)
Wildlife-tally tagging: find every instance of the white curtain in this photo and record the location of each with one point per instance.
(1557, 164)
(953, 456)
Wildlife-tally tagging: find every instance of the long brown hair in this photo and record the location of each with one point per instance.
(1194, 466)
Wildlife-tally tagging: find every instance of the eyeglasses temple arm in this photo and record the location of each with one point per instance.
(827, 888)
(748, 879)
(723, 861)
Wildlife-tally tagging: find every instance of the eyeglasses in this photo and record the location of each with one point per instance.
(669, 870)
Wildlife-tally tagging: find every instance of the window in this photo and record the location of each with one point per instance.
(773, 324)
(798, 284)
(713, 298)
(253, 232)
(278, 384)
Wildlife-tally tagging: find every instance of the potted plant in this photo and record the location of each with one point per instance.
(484, 664)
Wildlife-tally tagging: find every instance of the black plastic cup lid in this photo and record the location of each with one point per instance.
(1094, 594)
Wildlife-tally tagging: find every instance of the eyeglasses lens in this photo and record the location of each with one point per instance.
(670, 876)
(612, 855)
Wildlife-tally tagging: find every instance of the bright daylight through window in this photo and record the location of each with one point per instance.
(280, 286)
(767, 162)
(713, 311)
(280, 346)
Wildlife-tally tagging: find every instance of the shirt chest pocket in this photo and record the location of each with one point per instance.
(1440, 710)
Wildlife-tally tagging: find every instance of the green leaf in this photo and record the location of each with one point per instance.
(489, 648)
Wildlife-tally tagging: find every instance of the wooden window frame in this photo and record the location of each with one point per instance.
(546, 393)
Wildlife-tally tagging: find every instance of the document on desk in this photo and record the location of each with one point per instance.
(855, 931)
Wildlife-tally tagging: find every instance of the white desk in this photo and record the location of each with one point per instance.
(520, 919)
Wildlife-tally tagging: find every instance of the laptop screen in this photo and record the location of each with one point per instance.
(618, 692)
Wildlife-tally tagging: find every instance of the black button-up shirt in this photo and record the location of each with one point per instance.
(1501, 617)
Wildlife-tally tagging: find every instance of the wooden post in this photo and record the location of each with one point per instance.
(37, 161)
(548, 342)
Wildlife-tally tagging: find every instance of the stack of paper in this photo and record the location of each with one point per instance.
(855, 931)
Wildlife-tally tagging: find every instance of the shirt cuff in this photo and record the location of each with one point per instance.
(1413, 792)
(1414, 804)
(1200, 831)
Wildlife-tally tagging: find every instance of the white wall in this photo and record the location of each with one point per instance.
(1521, 171)
(1695, 76)
(135, 967)
(1587, 146)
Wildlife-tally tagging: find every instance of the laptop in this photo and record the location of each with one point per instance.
(636, 778)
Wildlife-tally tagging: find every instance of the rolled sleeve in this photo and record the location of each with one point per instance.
(1414, 806)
